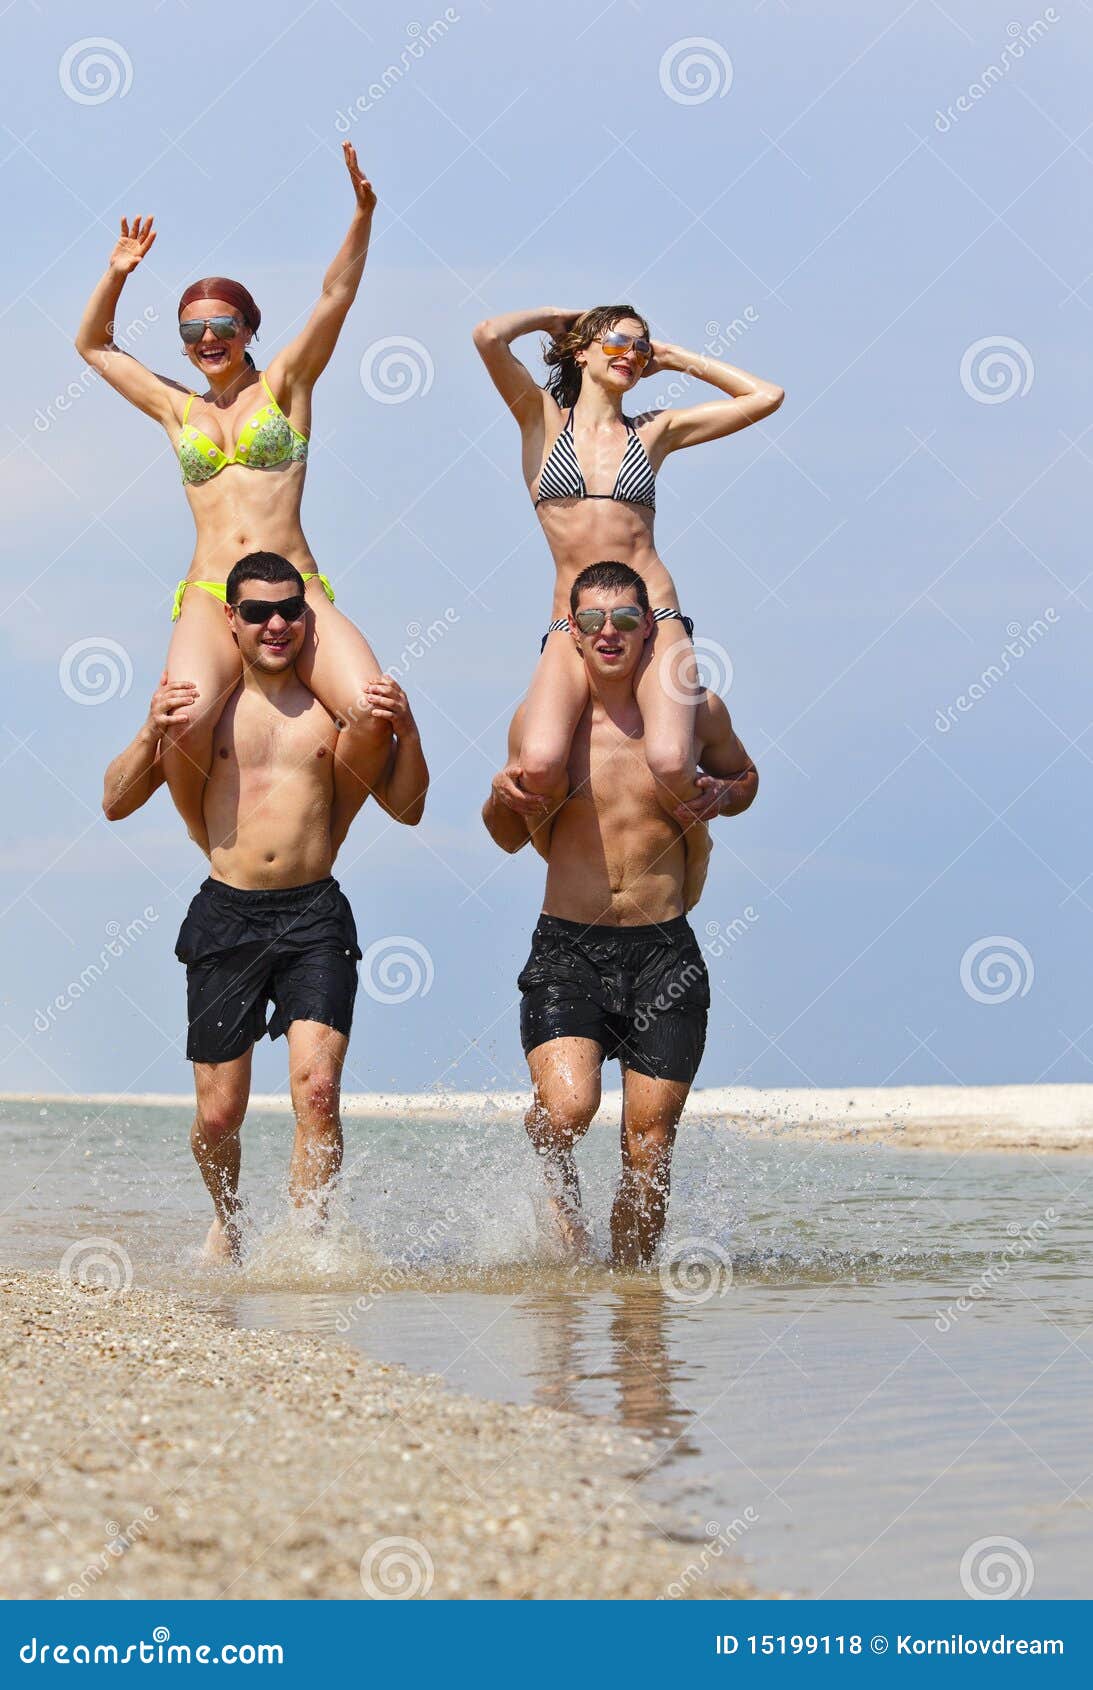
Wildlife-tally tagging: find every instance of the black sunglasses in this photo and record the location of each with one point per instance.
(224, 328)
(263, 610)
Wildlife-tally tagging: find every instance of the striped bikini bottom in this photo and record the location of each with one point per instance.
(664, 614)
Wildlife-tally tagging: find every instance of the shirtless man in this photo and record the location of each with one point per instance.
(614, 970)
(270, 924)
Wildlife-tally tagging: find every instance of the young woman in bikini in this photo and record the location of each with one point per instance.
(591, 471)
(242, 449)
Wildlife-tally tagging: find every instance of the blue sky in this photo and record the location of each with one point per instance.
(891, 203)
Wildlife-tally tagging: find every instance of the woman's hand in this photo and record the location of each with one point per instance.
(133, 245)
(558, 322)
(362, 187)
(664, 357)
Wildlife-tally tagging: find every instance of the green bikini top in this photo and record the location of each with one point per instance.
(267, 440)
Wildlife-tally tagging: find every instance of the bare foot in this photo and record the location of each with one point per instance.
(571, 1233)
(222, 1244)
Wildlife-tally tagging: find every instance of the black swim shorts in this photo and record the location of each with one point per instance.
(295, 947)
(641, 992)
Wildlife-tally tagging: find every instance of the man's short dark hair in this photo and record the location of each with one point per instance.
(270, 567)
(609, 577)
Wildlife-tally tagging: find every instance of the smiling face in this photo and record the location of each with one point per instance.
(218, 360)
(274, 645)
(617, 371)
(612, 654)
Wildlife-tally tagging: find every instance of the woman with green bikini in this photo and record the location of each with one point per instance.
(242, 449)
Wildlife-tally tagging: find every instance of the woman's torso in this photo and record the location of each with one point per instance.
(251, 502)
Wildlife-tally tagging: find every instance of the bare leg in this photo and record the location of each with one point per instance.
(315, 1056)
(667, 691)
(650, 1111)
(337, 663)
(202, 651)
(566, 1077)
(556, 698)
(222, 1089)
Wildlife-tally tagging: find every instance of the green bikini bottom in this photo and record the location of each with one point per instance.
(218, 590)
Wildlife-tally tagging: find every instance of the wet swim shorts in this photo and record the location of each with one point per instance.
(295, 947)
(641, 992)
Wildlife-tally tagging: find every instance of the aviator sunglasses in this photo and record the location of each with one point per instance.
(256, 611)
(618, 342)
(624, 619)
(224, 328)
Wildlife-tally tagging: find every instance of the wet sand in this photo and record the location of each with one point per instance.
(1013, 1117)
(149, 1451)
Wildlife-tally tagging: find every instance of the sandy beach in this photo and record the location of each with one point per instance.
(1014, 1117)
(151, 1451)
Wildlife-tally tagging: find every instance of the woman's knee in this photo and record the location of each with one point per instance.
(543, 762)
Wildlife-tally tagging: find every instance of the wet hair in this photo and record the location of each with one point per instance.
(269, 567)
(232, 293)
(608, 577)
(564, 381)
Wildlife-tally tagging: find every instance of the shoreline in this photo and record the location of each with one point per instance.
(1054, 1117)
(186, 1458)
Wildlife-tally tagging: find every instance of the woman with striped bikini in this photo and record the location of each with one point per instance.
(591, 471)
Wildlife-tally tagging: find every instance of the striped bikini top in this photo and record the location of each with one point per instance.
(561, 478)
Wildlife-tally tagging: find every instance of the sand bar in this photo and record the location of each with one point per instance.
(1011, 1117)
(151, 1451)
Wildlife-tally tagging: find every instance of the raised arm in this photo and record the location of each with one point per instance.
(749, 400)
(730, 779)
(95, 336)
(513, 380)
(136, 772)
(402, 790)
(300, 363)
